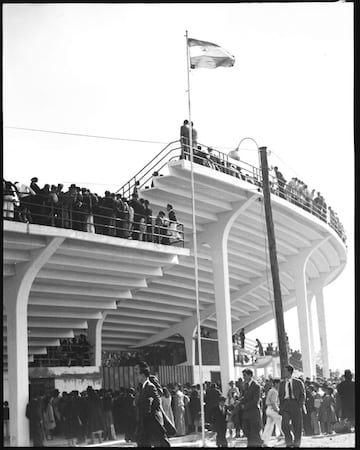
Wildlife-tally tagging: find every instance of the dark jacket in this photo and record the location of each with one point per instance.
(218, 418)
(251, 402)
(298, 391)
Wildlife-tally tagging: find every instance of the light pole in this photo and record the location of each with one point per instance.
(279, 313)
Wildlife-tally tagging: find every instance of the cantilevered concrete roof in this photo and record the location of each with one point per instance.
(146, 289)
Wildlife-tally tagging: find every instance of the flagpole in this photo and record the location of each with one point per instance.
(195, 254)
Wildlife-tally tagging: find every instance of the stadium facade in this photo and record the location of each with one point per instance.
(128, 294)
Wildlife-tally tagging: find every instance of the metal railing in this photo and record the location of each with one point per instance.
(99, 220)
(216, 160)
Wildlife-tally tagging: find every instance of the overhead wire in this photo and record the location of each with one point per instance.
(115, 138)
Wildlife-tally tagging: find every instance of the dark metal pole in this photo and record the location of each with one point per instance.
(279, 313)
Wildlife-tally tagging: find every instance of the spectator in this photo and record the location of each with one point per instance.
(346, 391)
(211, 399)
(160, 229)
(25, 194)
(273, 416)
(139, 213)
(179, 411)
(96, 423)
(10, 199)
(259, 348)
(173, 233)
(218, 419)
(242, 338)
(309, 406)
(166, 405)
(194, 135)
(107, 404)
(281, 182)
(6, 420)
(142, 224)
(49, 423)
(195, 408)
(149, 221)
(129, 416)
(188, 421)
(327, 414)
(34, 414)
(231, 393)
(315, 423)
(185, 140)
(251, 416)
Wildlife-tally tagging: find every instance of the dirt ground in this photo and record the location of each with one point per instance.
(195, 441)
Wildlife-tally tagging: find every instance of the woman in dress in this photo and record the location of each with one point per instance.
(179, 411)
(166, 404)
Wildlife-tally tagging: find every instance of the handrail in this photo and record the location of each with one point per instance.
(240, 169)
(98, 220)
(148, 164)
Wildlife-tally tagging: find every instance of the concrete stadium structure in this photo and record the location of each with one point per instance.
(129, 294)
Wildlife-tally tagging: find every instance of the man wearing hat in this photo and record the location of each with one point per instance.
(346, 391)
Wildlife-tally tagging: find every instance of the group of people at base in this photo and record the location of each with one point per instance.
(260, 410)
(284, 414)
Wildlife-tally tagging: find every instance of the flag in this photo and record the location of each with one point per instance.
(206, 55)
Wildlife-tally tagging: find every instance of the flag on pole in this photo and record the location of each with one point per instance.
(206, 55)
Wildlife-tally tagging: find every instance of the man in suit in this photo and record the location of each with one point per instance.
(250, 406)
(151, 431)
(292, 401)
(218, 419)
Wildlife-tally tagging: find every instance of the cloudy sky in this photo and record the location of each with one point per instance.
(119, 71)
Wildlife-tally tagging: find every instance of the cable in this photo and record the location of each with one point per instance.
(86, 135)
(107, 137)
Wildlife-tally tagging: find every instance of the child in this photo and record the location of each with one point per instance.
(218, 418)
(327, 411)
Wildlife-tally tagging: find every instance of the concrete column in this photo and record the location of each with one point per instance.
(322, 332)
(311, 330)
(187, 331)
(18, 372)
(16, 295)
(303, 319)
(94, 338)
(216, 235)
(223, 309)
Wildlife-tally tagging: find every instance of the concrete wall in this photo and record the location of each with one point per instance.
(66, 378)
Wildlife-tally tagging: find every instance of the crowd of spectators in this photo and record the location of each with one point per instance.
(105, 414)
(75, 351)
(80, 209)
(294, 190)
(169, 354)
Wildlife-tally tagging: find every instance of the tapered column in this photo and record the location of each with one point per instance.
(322, 332)
(311, 331)
(16, 295)
(217, 235)
(223, 310)
(303, 319)
(18, 372)
(94, 338)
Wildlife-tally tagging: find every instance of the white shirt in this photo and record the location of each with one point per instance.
(272, 399)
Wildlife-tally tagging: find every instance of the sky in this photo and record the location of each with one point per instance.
(120, 71)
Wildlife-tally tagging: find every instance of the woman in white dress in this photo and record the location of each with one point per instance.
(179, 411)
(166, 404)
